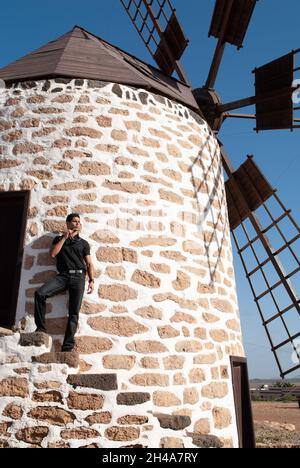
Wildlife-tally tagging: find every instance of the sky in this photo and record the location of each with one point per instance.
(273, 32)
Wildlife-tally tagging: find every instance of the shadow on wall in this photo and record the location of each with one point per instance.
(213, 222)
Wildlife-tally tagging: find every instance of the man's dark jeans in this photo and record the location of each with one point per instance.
(75, 284)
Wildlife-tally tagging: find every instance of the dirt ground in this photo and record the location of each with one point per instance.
(283, 413)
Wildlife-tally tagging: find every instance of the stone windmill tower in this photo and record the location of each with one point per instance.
(86, 127)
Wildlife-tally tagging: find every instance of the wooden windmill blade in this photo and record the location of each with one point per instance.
(158, 26)
(275, 78)
(241, 12)
(270, 269)
(230, 21)
(274, 89)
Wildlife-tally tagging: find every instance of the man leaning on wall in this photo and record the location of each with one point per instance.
(74, 263)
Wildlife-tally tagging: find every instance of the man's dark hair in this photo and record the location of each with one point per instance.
(71, 216)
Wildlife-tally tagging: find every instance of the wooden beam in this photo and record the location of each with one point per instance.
(219, 52)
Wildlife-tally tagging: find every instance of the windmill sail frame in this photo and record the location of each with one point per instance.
(243, 200)
(159, 28)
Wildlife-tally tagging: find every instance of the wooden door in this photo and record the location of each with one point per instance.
(242, 400)
(13, 215)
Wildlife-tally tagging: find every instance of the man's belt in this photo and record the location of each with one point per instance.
(74, 272)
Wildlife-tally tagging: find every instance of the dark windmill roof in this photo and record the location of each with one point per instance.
(80, 54)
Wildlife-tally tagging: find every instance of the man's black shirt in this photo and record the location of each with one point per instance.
(72, 254)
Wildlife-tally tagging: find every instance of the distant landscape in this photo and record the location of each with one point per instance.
(276, 412)
(254, 383)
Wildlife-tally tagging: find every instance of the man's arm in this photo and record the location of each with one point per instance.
(56, 248)
(90, 270)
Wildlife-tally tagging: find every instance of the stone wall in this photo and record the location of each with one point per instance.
(145, 175)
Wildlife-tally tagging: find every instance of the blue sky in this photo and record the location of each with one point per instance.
(274, 31)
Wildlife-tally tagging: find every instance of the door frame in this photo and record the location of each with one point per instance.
(242, 402)
(25, 196)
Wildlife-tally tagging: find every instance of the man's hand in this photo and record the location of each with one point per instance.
(70, 234)
(91, 287)
(90, 272)
(74, 233)
(67, 235)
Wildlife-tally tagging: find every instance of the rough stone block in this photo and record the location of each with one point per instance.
(71, 359)
(121, 434)
(206, 441)
(85, 402)
(106, 382)
(5, 332)
(132, 399)
(34, 339)
(52, 415)
(32, 435)
(175, 423)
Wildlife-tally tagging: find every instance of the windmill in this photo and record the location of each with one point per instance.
(89, 128)
(249, 194)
